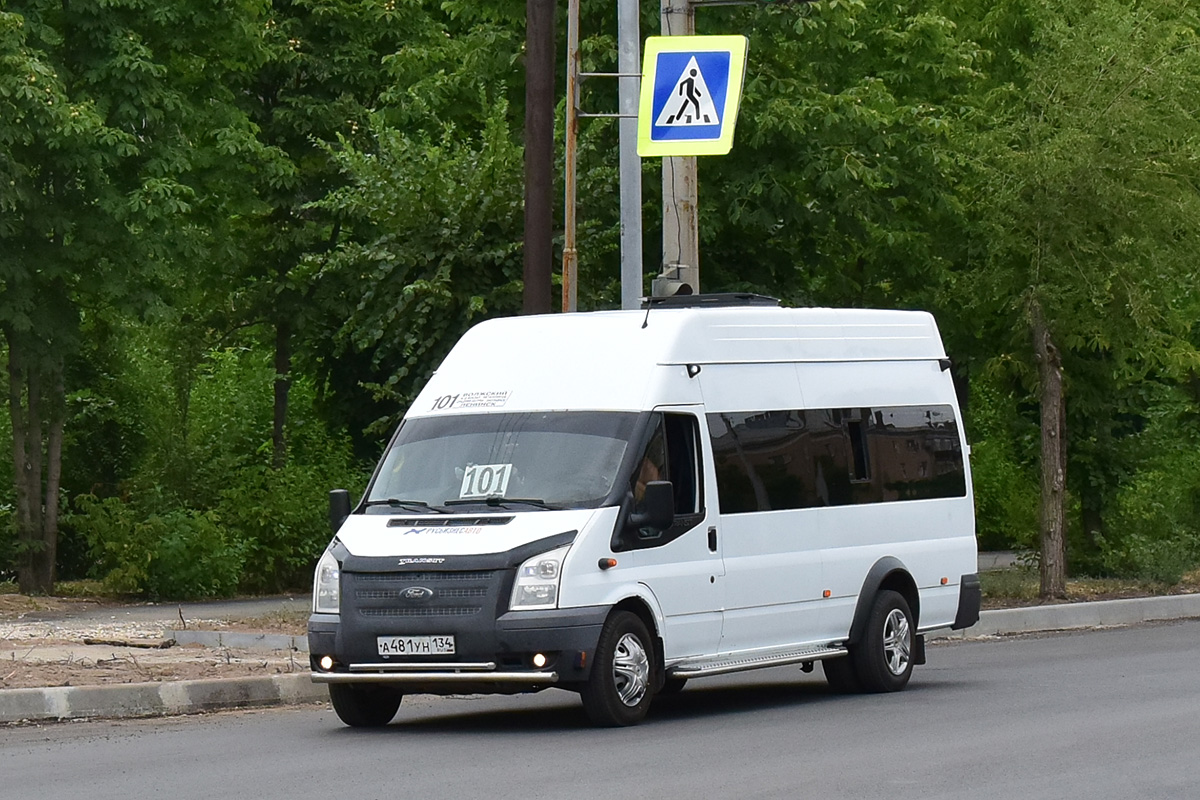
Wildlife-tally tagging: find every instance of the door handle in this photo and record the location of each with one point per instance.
(712, 539)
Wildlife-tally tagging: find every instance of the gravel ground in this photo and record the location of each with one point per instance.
(81, 647)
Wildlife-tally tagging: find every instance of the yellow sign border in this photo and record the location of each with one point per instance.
(736, 46)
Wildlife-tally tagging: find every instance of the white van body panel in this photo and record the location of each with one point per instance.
(609, 361)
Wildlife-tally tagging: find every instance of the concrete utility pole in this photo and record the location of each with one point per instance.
(681, 235)
(539, 154)
(629, 47)
(570, 258)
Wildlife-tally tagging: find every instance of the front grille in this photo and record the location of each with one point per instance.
(380, 596)
(462, 611)
(398, 594)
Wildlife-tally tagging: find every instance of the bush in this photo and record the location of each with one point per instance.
(179, 555)
(283, 517)
(1152, 533)
(204, 515)
(1005, 484)
(1160, 560)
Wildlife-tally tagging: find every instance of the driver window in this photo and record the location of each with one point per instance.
(652, 466)
(673, 454)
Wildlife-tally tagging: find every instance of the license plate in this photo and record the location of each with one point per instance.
(416, 645)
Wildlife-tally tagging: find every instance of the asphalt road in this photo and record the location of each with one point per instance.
(1102, 714)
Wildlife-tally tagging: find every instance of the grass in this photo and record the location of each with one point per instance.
(1020, 586)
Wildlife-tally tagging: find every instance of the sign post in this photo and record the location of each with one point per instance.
(691, 89)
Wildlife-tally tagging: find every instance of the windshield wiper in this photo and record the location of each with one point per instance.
(496, 500)
(410, 505)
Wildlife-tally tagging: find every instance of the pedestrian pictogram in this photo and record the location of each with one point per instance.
(691, 102)
(691, 87)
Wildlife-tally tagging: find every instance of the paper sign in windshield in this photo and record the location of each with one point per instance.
(485, 480)
(470, 400)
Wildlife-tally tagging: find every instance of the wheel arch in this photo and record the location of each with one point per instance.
(887, 573)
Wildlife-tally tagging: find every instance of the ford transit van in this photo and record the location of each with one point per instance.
(615, 503)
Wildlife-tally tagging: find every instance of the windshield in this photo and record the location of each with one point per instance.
(527, 460)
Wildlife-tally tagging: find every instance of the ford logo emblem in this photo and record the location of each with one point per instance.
(417, 594)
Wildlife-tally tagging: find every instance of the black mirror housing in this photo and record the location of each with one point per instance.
(339, 508)
(658, 507)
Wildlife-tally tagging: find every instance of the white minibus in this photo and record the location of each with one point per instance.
(617, 502)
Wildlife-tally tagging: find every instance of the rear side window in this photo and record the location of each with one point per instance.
(776, 460)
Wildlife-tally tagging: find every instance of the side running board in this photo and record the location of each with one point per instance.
(702, 668)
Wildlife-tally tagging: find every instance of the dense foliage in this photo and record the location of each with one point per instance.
(236, 236)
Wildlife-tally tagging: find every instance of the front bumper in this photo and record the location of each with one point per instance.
(495, 660)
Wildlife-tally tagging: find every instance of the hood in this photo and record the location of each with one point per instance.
(371, 535)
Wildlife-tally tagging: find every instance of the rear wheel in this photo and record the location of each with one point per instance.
(883, 659)
(364, 705)
(618, 691)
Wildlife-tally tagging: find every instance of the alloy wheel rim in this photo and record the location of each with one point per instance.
(631, 670)
(896, 642)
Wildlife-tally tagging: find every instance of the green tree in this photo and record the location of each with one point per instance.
(431, 214)
(841, 188)
(123, 144)
(1086, 204)
(325, 75)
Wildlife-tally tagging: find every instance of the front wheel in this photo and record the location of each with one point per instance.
(883, 660)
(618, 692)
(364, 705)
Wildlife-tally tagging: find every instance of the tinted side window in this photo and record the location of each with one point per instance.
(760, 460)
(774, 460)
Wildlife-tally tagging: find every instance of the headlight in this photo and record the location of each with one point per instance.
(537, 581)
(327, 585)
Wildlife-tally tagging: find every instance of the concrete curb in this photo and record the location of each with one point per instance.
(1068, 616)
(156, 699)
(190, 697)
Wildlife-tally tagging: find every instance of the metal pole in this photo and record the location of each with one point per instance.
(539, 155)
(628, 63)
(570, 274)
(681, 236)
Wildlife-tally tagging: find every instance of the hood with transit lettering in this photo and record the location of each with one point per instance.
(420, 535)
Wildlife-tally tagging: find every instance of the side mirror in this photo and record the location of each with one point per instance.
(658, 507)
(339, 508)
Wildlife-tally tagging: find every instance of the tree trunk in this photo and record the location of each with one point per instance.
(20, 461)
(47, 564)
(1054, 466)
(283, 385)
(33, 449)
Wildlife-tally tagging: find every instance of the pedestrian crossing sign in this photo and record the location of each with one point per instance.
(691, 87)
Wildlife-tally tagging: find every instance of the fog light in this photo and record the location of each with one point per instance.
(326, 662)
(539, 661)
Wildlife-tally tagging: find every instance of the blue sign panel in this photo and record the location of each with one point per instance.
(689, 95)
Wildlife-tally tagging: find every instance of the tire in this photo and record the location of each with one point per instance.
(883, 659)
(364, 705)
(619, 692)
(839, 673)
